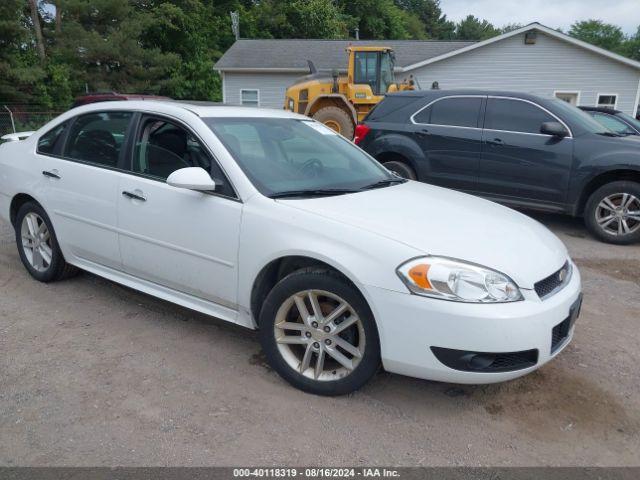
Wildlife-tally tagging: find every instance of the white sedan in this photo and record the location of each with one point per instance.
(270, 220)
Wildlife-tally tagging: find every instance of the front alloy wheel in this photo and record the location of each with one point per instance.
(612, 212)
(318, 333)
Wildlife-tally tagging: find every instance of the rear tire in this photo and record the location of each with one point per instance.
(336, 119)
(319, 353)
(402, 169)
(38, 246)
(612, 213)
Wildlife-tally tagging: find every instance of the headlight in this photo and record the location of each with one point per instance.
(450, 279)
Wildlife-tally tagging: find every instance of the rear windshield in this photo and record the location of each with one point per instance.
(388, 106)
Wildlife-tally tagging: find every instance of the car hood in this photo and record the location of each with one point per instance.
(439, 221)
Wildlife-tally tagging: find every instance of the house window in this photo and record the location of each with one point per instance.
(572, 98)
(250, 97)
(607, 100)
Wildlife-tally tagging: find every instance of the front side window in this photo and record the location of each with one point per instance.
(366, 64)
(386, 71)
(456, 112)
(51, 142)
(249, 98)
(515, 116)
(607, 101)
(613, 124)
(98, 138)
(283, 155)
(163, 147)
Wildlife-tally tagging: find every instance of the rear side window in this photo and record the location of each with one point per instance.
(98, 138)
(455, 112)
(51, 142)
(515, 116)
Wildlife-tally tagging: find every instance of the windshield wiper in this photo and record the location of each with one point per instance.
(610, 134)
(384, 183)
(320, 192)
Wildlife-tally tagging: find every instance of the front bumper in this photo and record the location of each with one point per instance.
(410, 325)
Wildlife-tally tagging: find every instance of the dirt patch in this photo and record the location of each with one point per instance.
(620, 269)
(555, 399)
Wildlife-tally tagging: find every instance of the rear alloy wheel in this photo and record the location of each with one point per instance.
(336, 119)
(318, 333)
(38, 245)
(401, 168)
(613, 213)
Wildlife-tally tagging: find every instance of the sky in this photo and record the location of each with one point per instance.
(552, 13)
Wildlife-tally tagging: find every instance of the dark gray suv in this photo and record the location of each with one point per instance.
(514, 148)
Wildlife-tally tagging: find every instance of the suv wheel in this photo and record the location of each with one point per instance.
(318, 333)
(401, 168)
(612, 213)
(38, 245)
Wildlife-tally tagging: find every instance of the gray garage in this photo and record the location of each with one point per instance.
(534, 59)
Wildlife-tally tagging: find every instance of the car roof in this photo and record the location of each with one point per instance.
(464, 91)
(201, 109)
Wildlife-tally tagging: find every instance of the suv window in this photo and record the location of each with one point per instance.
(515, 116)
(163, 147)
(98, 137)
(455, 112)
(50, 142)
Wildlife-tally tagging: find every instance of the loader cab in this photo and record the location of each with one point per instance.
(371, 66)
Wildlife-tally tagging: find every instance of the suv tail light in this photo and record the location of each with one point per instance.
(361, 132)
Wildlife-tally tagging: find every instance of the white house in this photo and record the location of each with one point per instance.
(534, 59)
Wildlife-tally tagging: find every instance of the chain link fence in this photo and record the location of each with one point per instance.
(21, 118)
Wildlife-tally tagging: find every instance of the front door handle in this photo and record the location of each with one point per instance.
(495, 141)
(51, 174)
(135, 196)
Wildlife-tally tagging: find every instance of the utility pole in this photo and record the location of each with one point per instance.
(235, 24)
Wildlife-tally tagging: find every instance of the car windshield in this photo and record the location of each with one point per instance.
(579, 118)
(630, 120)
(291, 157)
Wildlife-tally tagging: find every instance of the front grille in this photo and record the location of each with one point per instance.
(560, 333)
(554, 282)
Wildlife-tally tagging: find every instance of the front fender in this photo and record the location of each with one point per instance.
(271, 231)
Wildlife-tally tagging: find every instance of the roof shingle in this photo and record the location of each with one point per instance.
(326, 54)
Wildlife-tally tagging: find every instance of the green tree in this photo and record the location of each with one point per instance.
(472, 28)
(429, 13)
(596, 32)
(381, 19)
(631, 47)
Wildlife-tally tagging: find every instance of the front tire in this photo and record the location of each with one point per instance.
(612, 213)
(38, 246)
(318, 333)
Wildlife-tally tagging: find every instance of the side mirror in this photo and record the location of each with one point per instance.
(192, 178)
(554, 128)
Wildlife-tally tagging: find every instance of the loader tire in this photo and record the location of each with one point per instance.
(336, 119)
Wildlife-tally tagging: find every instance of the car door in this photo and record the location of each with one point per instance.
(448, 133)
(80, 183)
(181, 239)
(518, 162)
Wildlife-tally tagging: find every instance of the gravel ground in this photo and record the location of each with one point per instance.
(92, 373)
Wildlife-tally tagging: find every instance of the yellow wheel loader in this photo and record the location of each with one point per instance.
(340, 101)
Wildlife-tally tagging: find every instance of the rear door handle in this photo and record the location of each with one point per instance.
(51, 174)
(135, 196)
(495, 141)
